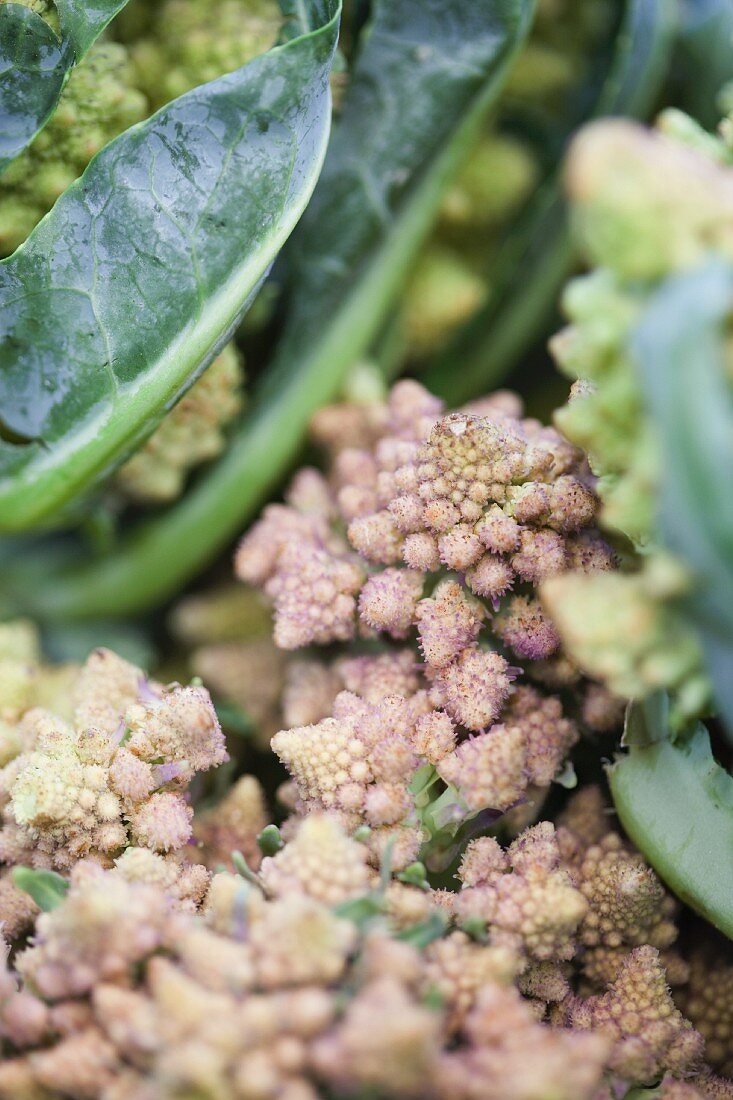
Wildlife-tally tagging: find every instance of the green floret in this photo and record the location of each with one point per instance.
(192, 41)
(100, 101)
(443, 293)
(495, 181)
(192, 433)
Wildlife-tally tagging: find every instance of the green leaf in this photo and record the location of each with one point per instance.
(125, 292)
(35, 64)
(361, 911)
(680, 350)
(46, 888)
(82, 21)
(676, 804)
(426, 75)
(422, 935)
(538, 256)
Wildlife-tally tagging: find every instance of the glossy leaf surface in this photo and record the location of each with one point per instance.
(125, 292)
(35, 63)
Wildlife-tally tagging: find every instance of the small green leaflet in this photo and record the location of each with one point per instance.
(676, 803)
(46, 888)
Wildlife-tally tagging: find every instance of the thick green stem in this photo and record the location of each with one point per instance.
(163, 554)
(539, 256)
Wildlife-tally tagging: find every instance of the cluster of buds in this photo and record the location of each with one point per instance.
(300, 980)
(434, 530)
(192, 433)
(627, 905)
(189, 42)
(112, 775)
(668, 208)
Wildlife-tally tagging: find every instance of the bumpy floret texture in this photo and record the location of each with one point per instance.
(669, 207)
(627, 905)
(451, 522)
(114, 775)
(312, 975)
(707, 1000)
(638, 1013)
(525, 896)
(124, 993)
(166, 50)
(192, 433)
(189, 42)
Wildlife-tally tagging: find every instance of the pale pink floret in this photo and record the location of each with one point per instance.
(498, 531)
(377, 538)
(309, 494)
(314, 594)
(420, 551)
(131, 778)
(491, 578)
(489, 770)
(412, 410)
(375, 677)
(526, 629)
(388, 600)
(435, 736)
(482, 862)
(573, 504)
(474, 688)
(447, 623)
(387, 803)
(589, 552)
(259, 551)
(180, 727)
(541, 554)
(549, 735)
(460, 548)
(162, 823)
(406, 510)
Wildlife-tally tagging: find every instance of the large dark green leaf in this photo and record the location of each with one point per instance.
(538, 256)
(426, 75)
(128, 288)
(676, 804)
(681, 354)
(35, 63)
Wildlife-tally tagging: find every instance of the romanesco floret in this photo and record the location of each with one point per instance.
(100, 100)
(189, 42)
(192, 433)
(669, 206)
(114, 776)
(451, 523)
